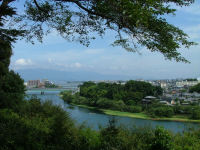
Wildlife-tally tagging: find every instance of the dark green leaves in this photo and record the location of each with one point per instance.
(137, 23)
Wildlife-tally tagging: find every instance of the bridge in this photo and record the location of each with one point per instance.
(55, 89)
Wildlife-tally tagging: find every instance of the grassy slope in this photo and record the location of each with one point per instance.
(141, 115)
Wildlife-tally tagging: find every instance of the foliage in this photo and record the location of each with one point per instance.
(136, 23)
(112, 96)
(37, 126)
(42, 126)
(67, 96)
(21, 133)
(190, 79)
(11, 85)
(187, 140)
(132, 90)
(195, 88)
(162, 111)
(131, 95)
(162, 140)
(195, 114)
(50, 85)
(134, 109)
(11, 90)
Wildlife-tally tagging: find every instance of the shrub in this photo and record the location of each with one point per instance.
(134, 109)
(195, 114)
(161, 111)
(104, 103)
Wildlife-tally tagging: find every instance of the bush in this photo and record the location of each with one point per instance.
(161, 111)
(104, 103)
(82, 100)
(195, 114)
(118, 105)
(130, 102)
(162, 140)
(67, 96)
(22, 133)
(134, 109)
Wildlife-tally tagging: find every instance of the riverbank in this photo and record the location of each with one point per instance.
(178, 118)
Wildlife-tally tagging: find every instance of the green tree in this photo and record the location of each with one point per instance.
(136, 23)
(196, 113)
(195, 88)
(67, 96)
(162, 140)
(11, 85)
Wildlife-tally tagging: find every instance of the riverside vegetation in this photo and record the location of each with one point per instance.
(40, 125)
(126, 99)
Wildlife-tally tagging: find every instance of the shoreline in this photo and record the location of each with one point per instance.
(137, 115)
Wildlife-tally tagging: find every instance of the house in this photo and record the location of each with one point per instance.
(148, 99)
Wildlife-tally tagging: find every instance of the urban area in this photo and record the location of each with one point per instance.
(175, 91)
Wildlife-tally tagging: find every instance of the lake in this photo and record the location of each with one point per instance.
(95, 119)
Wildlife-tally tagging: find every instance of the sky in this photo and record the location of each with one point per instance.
(57, 54)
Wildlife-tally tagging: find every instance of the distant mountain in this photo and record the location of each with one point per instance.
(54, 75)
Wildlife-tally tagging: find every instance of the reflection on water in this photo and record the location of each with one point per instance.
(95, 119)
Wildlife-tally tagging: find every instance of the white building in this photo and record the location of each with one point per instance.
(25, 83)
(163, 85)
(186, 83)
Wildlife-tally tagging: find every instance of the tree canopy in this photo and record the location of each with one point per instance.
(195, 88)
(137, 23)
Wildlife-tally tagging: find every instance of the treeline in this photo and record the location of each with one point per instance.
(155, 109)
(131, 90)
(128, 98)
(186, 111)
(195, 88)
(190, 79)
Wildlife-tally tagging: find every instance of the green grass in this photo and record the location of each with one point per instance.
(142, 115)
(125, 114)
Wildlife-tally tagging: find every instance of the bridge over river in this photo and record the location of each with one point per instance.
(54, 89)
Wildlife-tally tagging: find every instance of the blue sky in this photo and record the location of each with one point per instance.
(100, 57)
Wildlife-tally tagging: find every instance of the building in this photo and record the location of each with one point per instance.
(26, 84)
(148, 99)
(186, 83)
(163, 85)
(33, 83)
(47, 82)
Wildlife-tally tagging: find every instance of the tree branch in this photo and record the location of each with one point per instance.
(77, 2)
(37, 5)
(3, 5)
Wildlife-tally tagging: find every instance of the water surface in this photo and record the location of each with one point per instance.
(95, 119)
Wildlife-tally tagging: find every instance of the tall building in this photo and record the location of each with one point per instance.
(33, 83)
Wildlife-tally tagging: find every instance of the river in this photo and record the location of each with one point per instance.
(96, 119)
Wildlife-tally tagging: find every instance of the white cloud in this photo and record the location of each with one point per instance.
(77, 65)
(23, 62)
